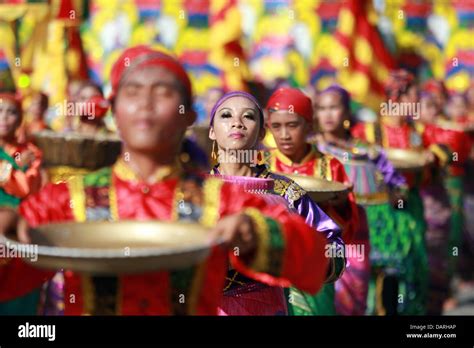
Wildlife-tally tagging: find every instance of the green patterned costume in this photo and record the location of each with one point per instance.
(28, 304)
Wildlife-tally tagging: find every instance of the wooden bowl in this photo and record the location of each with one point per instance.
(77, 150)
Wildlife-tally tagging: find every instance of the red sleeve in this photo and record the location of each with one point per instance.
(288, 252)
(459, 143)
(51, 204)
(21, 184)
(346, 214)
(358, 131)
(17, 278)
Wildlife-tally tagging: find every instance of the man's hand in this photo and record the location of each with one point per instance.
(10, 222)
(237, 231)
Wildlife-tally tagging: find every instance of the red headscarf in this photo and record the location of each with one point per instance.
(141, 56)
(434, 86)
(291, 99)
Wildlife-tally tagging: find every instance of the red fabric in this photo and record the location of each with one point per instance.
(51, 204)
(292, 99)
(17, 278)
(21, 184)
(358, 131)
(346, 216)
(435, 86)
(269, 301)
(457, 141)
(154, 58)
(99, 105)
(304, 264)
(156, 204)
(364, 29)
(397, 137)
(149, 293)
(73, 300)
(146, 294)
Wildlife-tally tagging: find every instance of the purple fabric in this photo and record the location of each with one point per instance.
(249, 183)
(314, 215)
(353, 287)
(437, 212)
(236, 94)
(391, 176)
(254, 299)
(53, 296)
(309, 210)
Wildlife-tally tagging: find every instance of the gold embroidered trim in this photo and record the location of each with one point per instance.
(211, 193)
(261, 261)
(126, 173)
(78, 197)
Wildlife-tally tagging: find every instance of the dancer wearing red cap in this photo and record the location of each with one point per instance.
(290, 119)
(152, 106)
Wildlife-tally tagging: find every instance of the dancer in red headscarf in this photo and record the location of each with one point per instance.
(151, 100)
(290, 119)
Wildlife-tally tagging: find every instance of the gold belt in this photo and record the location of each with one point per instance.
(372, 198)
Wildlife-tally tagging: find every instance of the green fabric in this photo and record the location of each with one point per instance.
(25, 305)
(454, 186)
(28, 304)
(276, 247)
(389, 238)
(397, 241)
(304, 304)
(100, 178)
(181, 285)
(5, 198)
(413, 282)
(301, 303)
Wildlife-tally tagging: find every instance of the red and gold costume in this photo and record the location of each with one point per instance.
(288, 251)
(321, 166)
(315, 163)
(19, 181)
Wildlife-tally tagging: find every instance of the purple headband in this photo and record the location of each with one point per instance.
(236, 94)
(345, 97)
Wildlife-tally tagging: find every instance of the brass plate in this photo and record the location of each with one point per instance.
(407, 160)
(118, 247)
(319, 190)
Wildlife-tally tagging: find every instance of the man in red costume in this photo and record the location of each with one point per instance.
(151, 100)
(290, 119)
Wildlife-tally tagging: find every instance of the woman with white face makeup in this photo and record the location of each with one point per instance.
(237, 127)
